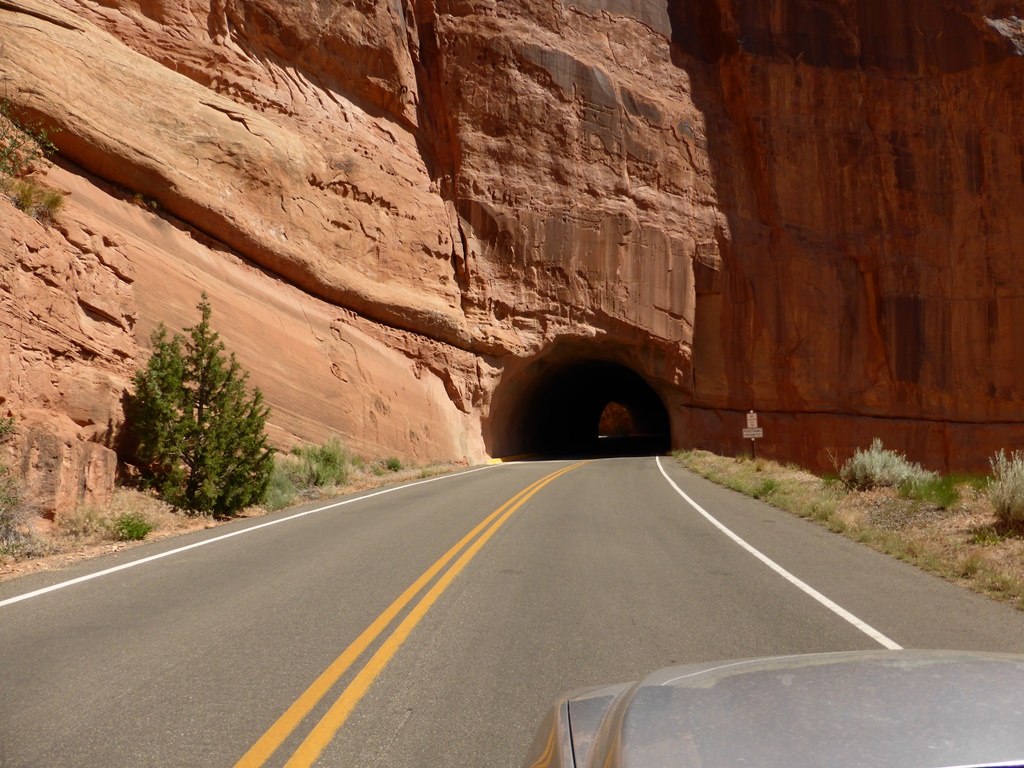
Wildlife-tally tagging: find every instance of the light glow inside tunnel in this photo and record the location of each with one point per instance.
(554, 407)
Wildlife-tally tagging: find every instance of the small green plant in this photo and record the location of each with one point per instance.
(765, 488)
(878, 468)
(975, 482)
(131, 527)
(988, 536)
(1006, 491)
(822, 509)
(200, 435)
(142, 201)
(393, 464)
(832, 481)
(934, 489)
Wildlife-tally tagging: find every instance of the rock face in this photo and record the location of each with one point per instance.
(422, 222)
(66, 354)
(865, 156)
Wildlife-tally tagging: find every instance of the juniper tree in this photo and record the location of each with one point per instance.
(200, 437)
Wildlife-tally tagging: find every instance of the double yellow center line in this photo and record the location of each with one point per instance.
(331, 722)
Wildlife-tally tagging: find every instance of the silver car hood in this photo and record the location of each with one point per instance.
(911, 709)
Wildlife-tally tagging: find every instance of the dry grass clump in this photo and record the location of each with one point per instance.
(314, 472)
(787, 487)
(963, 539)
(1006, 490)
(91, 530)
(19, 538)
(37, 201)
(129, 509)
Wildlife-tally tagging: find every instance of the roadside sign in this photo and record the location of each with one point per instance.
(752, 432)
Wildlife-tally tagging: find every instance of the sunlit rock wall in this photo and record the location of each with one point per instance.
(810, 210)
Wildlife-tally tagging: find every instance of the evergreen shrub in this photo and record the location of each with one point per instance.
(200, 436)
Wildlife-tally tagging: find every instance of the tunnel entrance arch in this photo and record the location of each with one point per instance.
(559, 405)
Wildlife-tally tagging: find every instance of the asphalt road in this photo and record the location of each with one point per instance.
(206, 657)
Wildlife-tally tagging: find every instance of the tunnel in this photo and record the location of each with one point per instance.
(577, 406)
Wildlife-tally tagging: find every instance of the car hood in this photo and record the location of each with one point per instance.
(912, 709)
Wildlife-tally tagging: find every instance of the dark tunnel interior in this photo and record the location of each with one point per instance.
(560, 412)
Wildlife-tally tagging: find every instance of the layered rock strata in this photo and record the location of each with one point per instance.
(403, 210)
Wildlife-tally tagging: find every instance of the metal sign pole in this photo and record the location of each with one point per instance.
(753, 432)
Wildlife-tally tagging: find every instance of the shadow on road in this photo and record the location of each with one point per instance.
(608, 447)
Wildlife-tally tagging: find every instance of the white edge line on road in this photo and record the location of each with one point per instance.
(867, 629)
(151, 558)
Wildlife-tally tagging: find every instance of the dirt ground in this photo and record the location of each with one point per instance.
(89, 532)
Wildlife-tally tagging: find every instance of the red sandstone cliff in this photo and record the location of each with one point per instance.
(413, 216)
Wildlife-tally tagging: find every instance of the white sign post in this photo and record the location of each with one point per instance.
(752, 432)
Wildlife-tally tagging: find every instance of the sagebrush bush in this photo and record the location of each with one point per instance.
(282, 489)
(393, 464)
(1006, 491)
(880, 468)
